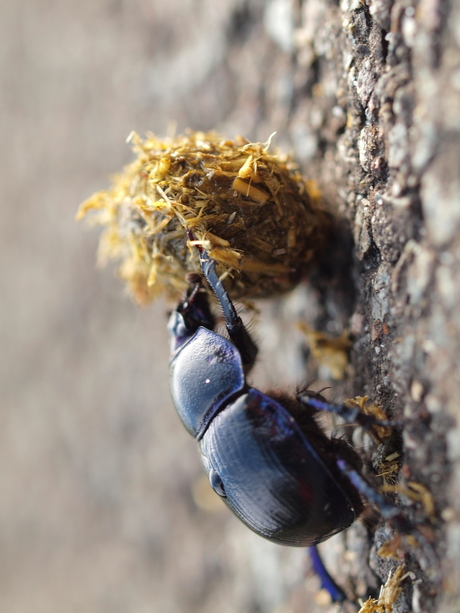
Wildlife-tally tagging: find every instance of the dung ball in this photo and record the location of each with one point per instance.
(248, 207)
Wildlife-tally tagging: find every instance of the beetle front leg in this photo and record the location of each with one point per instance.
(191, 313)
(233, 322)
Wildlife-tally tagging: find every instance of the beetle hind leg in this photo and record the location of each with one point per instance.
(327, 582)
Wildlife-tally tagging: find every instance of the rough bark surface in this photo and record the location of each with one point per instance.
(394, 162)
(102, 505)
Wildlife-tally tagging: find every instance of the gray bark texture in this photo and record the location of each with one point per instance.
(372, 109)
(103, 505)
(389, 148)
(396, 164)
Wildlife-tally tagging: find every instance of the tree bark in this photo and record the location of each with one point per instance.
(368, 93)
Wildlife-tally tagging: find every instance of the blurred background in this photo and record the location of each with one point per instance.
(102, 502)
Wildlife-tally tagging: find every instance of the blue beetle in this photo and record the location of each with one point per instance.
(265, 454)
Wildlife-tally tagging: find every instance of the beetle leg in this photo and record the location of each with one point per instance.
(390, 512)
(233, 322)
(191, 313)
(190, 295)
(350, 414)
(327, 582)
(387, 510)
(195, 307)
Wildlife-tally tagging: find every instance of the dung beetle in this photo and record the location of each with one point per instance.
(265, 454)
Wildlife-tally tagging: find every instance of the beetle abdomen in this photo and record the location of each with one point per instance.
(271, 476)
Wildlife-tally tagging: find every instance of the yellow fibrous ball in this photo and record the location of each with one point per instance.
(250, 209)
